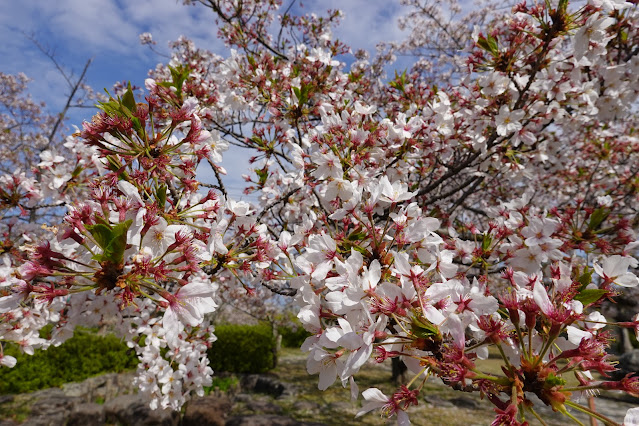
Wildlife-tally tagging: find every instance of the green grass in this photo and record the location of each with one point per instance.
(222, 384)
(335, 401)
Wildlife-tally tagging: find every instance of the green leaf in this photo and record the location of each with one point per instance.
(597, 217)
(111, 107)
(585, 278)
(489, 43)
(137, 125)
(354, 78)
(304, 93)
(562, 6)
(357, 235)
(552, 381)
(101, 233)
(298, 94)
(128, 100)
(258, 141)
(76, 172)
(425, 329)
(116, 247)
(486, 242)
(123, 107)
(262, 174)
(111, 239)
(399, 82)
(179, 75)
(362, 250)
(590, 295)
(160, 196)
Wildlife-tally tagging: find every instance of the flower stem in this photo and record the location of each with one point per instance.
(416, 376)
(592, 413)
(534, 413)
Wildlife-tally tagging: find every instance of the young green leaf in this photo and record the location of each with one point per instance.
(160, 196)
(128, 100)
(111, 239)
(590, 295)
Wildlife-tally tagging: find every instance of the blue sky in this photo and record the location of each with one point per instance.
(108, 30)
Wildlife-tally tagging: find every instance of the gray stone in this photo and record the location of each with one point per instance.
(51, 407)
(48, 420)
(86, 414)
(464, 402)
(266, 420)
(264, 384)
(101, 388)
(305, 406)
(133, 410)
(242, 397)
(248, 381)
(342, 407)
(6, 398)
(207, 411)
(628, 363)
(263, 407)
(437, 401)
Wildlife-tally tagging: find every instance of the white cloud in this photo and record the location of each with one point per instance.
(108, 31)
(367, 23)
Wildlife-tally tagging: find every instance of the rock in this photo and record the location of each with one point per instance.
(242, 397)
(341, 406)
(80, 389)
(101, 388)
(263, 407)
(48, 420)
(248, 381)
(207, 411)
(628, 363)
(6, 398)
(133, 410)
(264, 384)
(305, 406)
(86, 414)
(464, 402)
(266, 420)
(269, 386)
(437, 401)
(51, 407)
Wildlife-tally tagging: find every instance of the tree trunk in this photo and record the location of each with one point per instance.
(398, 371)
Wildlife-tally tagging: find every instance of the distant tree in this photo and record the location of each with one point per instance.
(39, 171)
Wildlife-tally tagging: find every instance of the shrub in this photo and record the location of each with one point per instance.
(243, 348)
(223, 384)
(293, 337)
(84, 355)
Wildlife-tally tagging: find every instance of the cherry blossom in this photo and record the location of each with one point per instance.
(615, 269)
(483, 199)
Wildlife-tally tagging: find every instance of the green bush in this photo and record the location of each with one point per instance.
(84, 355)
(293, 337)
(243, 348)
(222, 384)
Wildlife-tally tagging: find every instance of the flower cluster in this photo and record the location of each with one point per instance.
(494, 211)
